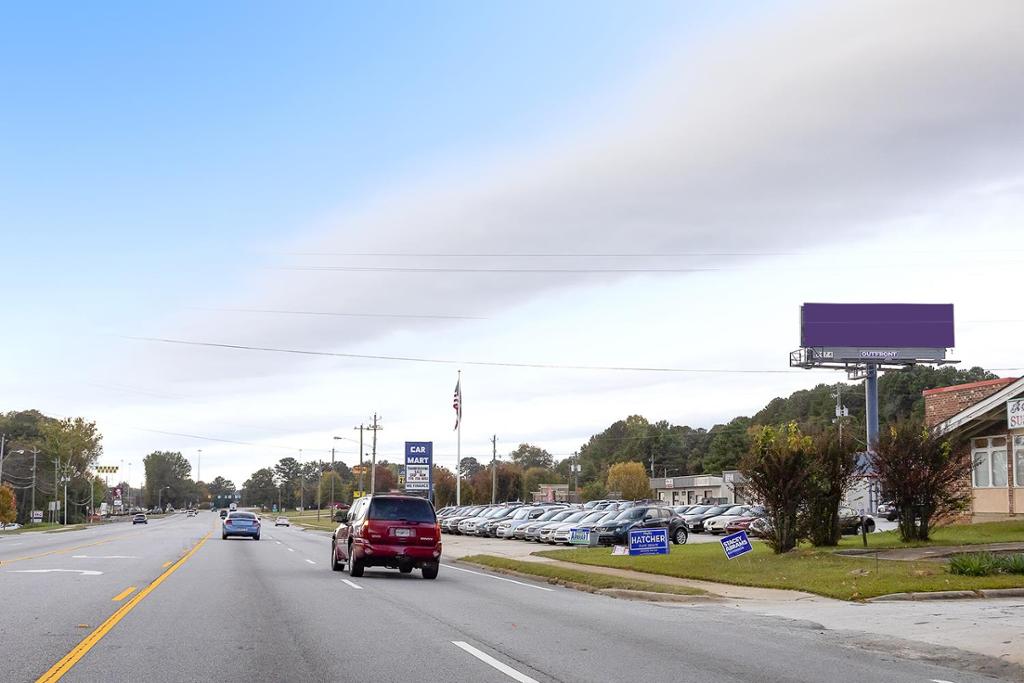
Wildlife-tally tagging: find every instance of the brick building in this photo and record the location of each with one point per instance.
(978, 412)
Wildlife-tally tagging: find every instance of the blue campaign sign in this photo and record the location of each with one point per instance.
(736, 544)
(648, 542)
(419, 456)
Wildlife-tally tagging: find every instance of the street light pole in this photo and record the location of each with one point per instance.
(199, 466)
(160, 497)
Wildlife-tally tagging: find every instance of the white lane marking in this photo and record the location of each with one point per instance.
(499, 578)
(354, 585)
(939, 680)
(104, 557)
(291, 550)
(83, 572)
(277, 542)
(311, 561)
(500, 666)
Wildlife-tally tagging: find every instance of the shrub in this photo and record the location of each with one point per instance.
(986, 564)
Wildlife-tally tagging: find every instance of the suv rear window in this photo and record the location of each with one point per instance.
(407, 509)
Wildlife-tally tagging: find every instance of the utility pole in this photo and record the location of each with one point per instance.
(361, 429)
(841, 411)
(3, 442)
(302, 484)
(35, 452)
(332, 483)
(375, 427)
(494, 469)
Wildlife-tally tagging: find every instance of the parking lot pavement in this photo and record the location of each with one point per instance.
(459, 546)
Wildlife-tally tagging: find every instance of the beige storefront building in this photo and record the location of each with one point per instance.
(989, 415)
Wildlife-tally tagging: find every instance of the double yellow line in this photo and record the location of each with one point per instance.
(70, 659)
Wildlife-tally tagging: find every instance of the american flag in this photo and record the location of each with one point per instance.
(457, 402)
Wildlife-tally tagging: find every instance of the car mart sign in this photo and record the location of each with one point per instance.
(1015, 413)
(419, 456)
(648, 542)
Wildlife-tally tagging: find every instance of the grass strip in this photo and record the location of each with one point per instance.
(578, 578)
(954, 534)
(813, 571)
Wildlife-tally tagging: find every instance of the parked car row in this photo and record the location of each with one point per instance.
(554, 522)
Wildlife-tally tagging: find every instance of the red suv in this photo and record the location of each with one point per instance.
(394, 531)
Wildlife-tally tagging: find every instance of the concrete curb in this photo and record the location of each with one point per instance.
(620, 593)
(951, 595)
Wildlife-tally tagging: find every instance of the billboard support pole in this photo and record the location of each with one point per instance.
(871, 404)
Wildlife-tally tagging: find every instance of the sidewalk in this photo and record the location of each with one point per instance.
(933, 552)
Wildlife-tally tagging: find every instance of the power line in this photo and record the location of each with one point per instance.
(662, 254)
(423, 316)
(418, 269)
(444, 361)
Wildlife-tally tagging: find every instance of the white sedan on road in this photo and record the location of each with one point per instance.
(282, 521)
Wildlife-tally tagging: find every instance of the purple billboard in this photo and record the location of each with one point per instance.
(923, 326)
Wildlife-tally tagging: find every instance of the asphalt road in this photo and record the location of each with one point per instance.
(272, 610)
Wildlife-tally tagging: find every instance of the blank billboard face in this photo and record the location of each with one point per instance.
(877, 325)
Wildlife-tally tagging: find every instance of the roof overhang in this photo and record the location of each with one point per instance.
(979, 409)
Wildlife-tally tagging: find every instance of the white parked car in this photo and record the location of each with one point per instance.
(10, 527)
(716, 525)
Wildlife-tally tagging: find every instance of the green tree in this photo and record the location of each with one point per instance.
(728, 444)
(260, 490)
(527, 456)
(777, 469)
(534, 477)
(220, 486)
(167, 479)
(834, 466)
(342, 491)
(470, 466)
(925, 473)
(630, 480)
(593, 490)
(444, 487)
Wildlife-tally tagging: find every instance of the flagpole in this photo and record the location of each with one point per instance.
(458, 448)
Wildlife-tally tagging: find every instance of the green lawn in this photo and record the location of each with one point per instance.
(563, 576)
(814, 571)
(306, 518)
(957, 534)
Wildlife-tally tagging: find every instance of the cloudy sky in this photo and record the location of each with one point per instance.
(543, 185)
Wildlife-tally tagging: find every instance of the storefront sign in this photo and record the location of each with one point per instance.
(1015, 413)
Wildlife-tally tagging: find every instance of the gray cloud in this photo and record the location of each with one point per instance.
(816, 129)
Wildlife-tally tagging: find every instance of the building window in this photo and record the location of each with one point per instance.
(989, 456)
(1018, 459)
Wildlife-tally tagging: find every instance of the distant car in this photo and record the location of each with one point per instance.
(240, 523)
(849, 521)
(695, 522)
(10, 527)
(139, 519)
(740, 524)
(190, 513)
(716, 525)
(282, 521)
(390, 531)
(223, 514)
(888, 510)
